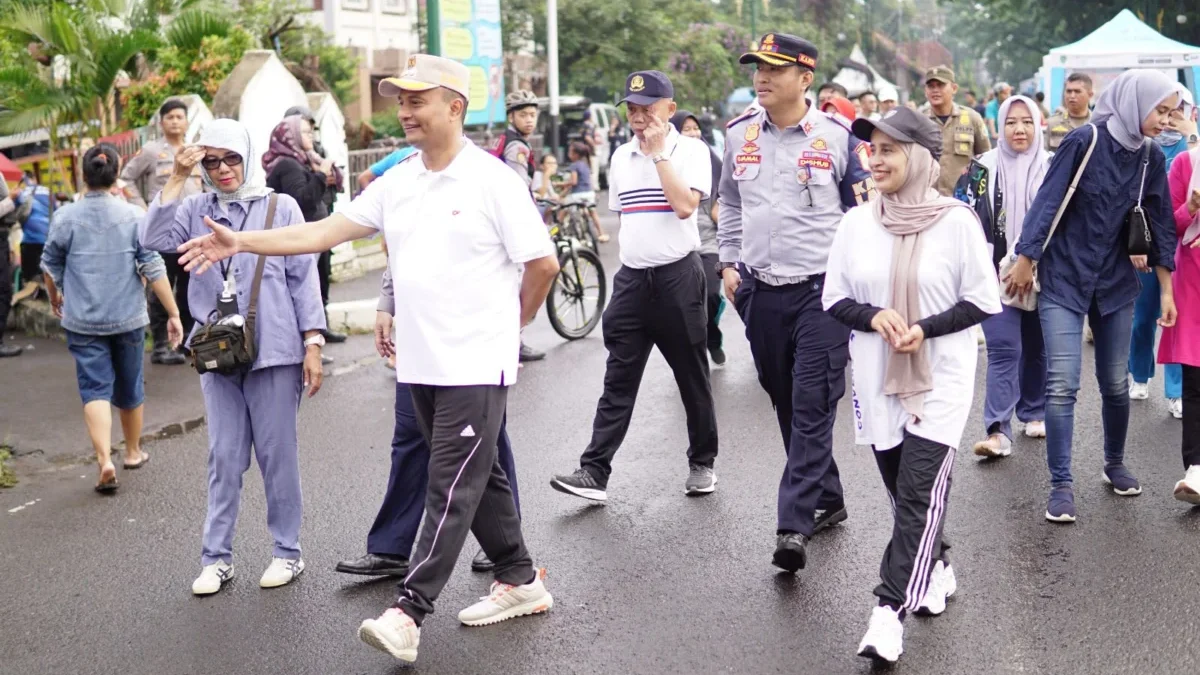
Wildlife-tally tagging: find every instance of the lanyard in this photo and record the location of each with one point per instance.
(225, 265)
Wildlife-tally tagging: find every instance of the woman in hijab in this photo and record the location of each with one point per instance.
(910, 274)
(1084, 267)
(1146, 311)
(256, 408)
(1181, 343)
(1000, 185)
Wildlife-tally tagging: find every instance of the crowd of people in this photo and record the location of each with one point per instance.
(869, 234)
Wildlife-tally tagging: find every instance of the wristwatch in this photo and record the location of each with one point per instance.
(722, 266)
(318, 340)
(1193, 139)
(657, 157)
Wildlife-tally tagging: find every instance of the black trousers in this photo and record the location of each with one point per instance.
(158, 313)
(1191, 416)
(468, 491)
(916, 474)
(715, 299)
(6, 282)
(323, 269)
(660, 307)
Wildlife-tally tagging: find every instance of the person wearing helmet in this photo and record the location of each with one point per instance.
(522, 108)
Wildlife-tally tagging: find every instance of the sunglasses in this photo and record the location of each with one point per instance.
(231, 160)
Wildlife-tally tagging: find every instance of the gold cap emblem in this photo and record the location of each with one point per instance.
(637, 83)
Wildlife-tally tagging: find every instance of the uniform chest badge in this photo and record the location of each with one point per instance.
(808, 128)
(965, 119)
(749, 147)
(752, 133)
(163, 155)
(739, 170)
(748, 159)
(820, 145)
(803, 175)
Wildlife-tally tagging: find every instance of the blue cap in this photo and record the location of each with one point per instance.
(646, 87)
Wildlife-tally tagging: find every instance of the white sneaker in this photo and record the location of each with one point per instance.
(393, 632)
(1175, 407)
(212, 577)
(1139, 391)
(1188, 489)
(996, 445)
(281, 572)
(941, 588)
(1035, 429)
(507, 602)
(884, 640)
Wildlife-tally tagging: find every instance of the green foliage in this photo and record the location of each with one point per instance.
(706, 69)
(386, 125)
(7, 477)
(188, 30)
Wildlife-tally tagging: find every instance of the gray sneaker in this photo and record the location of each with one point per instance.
(581, 484)
(701, 480)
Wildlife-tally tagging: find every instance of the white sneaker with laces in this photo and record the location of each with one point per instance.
(212, 577)
(393, 632)
(1188, 489)
(508, 602)
(281, 572)
(996, 445)
(942, 587)
(884, 640)
(1139, 391)
(1035, 429)
(1175, 407)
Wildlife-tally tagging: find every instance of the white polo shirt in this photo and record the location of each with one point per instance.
(651, 234)
(456, 240)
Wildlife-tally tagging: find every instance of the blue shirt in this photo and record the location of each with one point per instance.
(1173, 151)
(992, 112)
(1088, 259)
(36, 228)
(583, 173)
(95, 260)
(381, 167)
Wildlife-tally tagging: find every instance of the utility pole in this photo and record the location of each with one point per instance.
(433, 27)
(552, 68)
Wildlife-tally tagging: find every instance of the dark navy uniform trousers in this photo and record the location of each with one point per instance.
(800, 353)
(395, 527)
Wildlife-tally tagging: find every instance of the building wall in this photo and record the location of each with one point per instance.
(369, 26)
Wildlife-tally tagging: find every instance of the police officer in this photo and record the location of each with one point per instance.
(789, 173)
(964, 133)
(1076, 110)
(516, 151)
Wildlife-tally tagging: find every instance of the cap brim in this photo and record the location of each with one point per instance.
(392, 86)
(943, 80)
(640, 99)
(862, 129)
(768, 58)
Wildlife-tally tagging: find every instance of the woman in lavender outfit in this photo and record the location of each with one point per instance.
(257, 408)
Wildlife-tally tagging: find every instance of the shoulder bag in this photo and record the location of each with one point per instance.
(1138, 236)
(1029, 301)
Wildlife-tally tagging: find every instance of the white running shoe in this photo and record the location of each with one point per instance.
(942, 587)
(1188, 489)
(508, 602)
(1175, 407)
(212, 577)
(996, 445)
(1036, 429)
(1139, 391)
(281, 572)
(884, 640)
(393, 632)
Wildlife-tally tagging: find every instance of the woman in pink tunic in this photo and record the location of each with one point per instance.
(1181, 343)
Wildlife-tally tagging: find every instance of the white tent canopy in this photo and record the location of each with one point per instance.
(1124, 42)
(856, 81)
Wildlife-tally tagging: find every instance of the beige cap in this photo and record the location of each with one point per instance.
(425, 72)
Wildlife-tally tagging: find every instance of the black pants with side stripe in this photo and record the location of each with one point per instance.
(917, 476)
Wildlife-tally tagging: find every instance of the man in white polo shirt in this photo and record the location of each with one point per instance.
(656, 183)
(458, 225)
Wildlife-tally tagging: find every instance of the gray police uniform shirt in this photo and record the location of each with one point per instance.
(783, 193)
(155, 163)
(518, 155)
(1061, 124)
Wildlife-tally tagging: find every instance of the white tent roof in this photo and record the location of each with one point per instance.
(855, 81)
(1124, 42)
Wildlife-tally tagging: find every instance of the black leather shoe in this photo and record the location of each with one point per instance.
(790, 553)
(717, 355)
(481, 563)
(333, 337)
(372, 565)
(164, 356)
(824, 519)
(8, 351)
(530, 354)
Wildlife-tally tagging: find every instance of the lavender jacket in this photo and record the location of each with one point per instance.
(289, 300)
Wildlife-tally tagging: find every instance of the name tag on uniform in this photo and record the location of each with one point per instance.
(748, 159)
(819, 163)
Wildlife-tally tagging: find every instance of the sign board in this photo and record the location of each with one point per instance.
(469, 32)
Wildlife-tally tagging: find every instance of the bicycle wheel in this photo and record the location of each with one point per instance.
(581, 229)
(576, 300)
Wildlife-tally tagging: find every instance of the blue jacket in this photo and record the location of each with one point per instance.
(1088, 259)
(95, 260)
(35, 228)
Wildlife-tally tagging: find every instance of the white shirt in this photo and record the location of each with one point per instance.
(651, 234)
(456, 240)
(955, 266)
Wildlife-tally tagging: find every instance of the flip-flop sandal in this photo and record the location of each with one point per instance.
(108, 487)
(138, 465)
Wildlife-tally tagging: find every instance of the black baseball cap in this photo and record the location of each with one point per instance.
(904, 125)
(646, 87)
(781, 49)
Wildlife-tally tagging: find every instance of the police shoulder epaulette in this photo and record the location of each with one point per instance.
(837, 119)
(742, 118)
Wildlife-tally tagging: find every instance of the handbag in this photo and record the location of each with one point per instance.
(1138, 236)
(1029, 301)
(225, 344)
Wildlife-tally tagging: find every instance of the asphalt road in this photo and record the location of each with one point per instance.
(653, 582)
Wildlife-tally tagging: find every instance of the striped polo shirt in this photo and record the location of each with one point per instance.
(651, 234)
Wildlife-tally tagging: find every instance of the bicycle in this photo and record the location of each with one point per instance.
(580, 290)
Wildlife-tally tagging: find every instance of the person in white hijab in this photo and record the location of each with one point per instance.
(1000, 185)
(1084, 268)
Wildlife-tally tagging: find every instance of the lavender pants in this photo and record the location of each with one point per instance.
(1016, 375)
(253, 410)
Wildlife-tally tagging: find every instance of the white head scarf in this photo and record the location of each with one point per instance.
(1128, 101)
(1021, 173)
(233, 136)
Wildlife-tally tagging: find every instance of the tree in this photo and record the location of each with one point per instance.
(706, 69)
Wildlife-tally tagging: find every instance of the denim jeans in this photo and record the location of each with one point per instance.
(1062, 330)
(1141, 346)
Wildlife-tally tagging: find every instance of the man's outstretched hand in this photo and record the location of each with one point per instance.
(201, 253)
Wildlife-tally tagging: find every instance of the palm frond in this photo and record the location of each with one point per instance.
(114, 54)
(190, 28)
